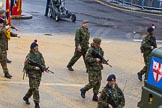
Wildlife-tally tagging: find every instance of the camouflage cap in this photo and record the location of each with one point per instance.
(85, 21)
(2, 12)
(97, 40)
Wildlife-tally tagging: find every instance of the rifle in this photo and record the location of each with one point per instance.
(42, 68)
(112, 102)
(97, 55)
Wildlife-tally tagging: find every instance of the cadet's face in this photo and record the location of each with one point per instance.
(85, 25)
(112, 83)
(97, 45)
(152, 33)
(1, 25)
(36, 48)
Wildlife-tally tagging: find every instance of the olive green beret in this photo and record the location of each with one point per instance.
(85, 21)
(97, 40)
(2, 12)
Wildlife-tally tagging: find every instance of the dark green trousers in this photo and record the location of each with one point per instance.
(94, 77)
(76, 56)
(146, 61)
(33, 89)
(3, 57)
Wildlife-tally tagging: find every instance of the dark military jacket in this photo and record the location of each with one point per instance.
(3, 40)
(36, 57)
(113, 96)
(146, 44)
(91, 58)
(82, 38)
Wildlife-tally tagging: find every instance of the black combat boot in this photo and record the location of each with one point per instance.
(139, 76)
(70, 68)
(7, 75)
(8, 61)
(26, 100)
(36, 104)
(83, 91)
(95, 97)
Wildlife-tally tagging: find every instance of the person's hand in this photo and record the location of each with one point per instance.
(152, 47)
(18, 36)
(110, 106)
(98, 60)
(16, 29)
(79, 48)
(46, 69)
(37, 68)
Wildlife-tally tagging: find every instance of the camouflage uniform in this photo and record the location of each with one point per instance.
(112, 96)
(3, 49)
(81, 38)
(146, 44)
(34, 75)
(94, 71)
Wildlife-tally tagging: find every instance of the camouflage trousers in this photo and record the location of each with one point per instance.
(34, 88)
(94, 78)
(76, 56)
(146, 61)
(3, 57)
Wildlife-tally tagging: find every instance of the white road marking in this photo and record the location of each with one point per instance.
(44, 84)
(139, 40)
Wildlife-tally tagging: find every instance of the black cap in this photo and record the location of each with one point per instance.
(150, 29)
(111, 77)
(34, 44)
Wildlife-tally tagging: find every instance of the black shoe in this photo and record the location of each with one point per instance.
(26, 100)
(70, 68)
(83, 91)
(37, 105)
(139, 76)
(8, 61)
(7, 75)
(95, 97)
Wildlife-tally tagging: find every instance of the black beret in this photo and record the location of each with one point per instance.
(34, 44)
(150, 29)
(111, 77)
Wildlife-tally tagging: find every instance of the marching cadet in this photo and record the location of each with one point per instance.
(81, 44)
(94, 65)
(147, 45)
(3, 49)
(111, 96)
(34, 73)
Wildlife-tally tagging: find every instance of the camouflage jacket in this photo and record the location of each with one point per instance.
(115, 97)
(91, 58)
(36, 57)
(3, 40)
(146, 44)
(82, 37)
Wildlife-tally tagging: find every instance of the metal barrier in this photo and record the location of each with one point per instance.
(145, 4)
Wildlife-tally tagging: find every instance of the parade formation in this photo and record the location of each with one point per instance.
(111, 96)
